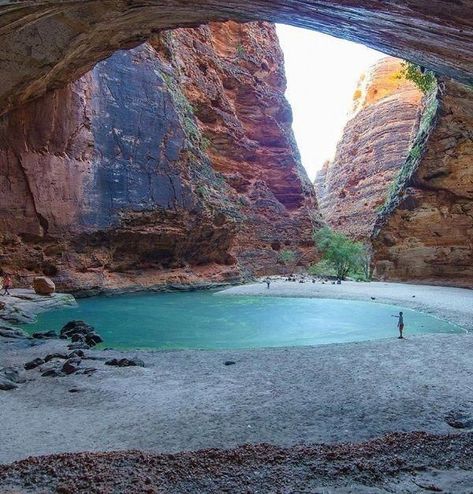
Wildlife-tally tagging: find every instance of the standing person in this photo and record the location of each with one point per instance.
(400, 324)
(7, 284)
(268, 282)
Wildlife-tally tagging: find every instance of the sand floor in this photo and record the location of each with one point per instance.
(188, 400)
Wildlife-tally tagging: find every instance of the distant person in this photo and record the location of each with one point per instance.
(400, 324)
(7, 284)
(268, 282)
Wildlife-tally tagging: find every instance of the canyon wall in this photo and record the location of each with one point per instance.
(173, 162)
(373, 147)
(426, 231)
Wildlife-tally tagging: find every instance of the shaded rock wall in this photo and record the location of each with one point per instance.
(173, 162)
(46, 44)
(428, 233)
(373, 147)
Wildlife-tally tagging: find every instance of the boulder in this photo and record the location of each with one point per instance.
(14, 374)
(125, 362)
(13, 333)
(52, 356)
(43, 285)
(52, 372)
(45, 335)
(81, 333)
(71, 365)
(78, 346)
(6, 384)
(34, 363)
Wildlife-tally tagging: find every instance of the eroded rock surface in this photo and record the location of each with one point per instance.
(373, 147)
(428, 233)
(45, 45)
(170, 163)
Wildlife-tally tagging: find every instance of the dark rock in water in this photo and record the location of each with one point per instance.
(72, 365)
(76, 327)
(93, 339)
(373, 298)
(124, 362)
(81, 332)
(13, 374)
(229, 362)
(34, 363)
(6, 384)
(45, 335)
(76, 353)
(52, 356)
(77, 337)
(459, 419)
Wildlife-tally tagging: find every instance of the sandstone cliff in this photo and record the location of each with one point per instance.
(425, 232)
(172, 162)
(373, 147)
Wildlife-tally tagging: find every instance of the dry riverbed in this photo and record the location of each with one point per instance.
(291, 398)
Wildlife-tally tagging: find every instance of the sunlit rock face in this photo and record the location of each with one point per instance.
(45, 45)
(173, 162)
(372, 149)
(428, 236)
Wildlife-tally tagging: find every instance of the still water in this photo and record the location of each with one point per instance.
(211, 321)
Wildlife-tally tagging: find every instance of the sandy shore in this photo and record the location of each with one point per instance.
(187, 400)
(452, 304)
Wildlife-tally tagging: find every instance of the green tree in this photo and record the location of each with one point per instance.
(288, 258)
(340, 252)
(424, 79)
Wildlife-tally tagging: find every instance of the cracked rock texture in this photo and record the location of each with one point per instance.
(373, 147)
(428, 235)
(173, 162)
(47, 44)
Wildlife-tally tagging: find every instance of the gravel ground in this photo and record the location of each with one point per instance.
(396, 463)
(452, 304)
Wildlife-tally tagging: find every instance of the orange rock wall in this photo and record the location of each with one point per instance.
(428, 237)
(372, 149)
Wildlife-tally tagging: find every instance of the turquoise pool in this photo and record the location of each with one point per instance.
(208, 320)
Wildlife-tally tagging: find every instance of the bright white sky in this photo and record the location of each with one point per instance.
(322, 73)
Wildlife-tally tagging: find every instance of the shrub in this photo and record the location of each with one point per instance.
(344, 255)
(288, 258)
(424, 79)
(322, 268)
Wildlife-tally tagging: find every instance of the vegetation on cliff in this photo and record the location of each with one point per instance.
(424, 79)
(405, 174)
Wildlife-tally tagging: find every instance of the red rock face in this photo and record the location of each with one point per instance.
(170, 163)
(374, 145)
(428, 234)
